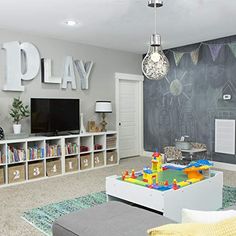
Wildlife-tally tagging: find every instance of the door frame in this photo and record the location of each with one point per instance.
(139, 79)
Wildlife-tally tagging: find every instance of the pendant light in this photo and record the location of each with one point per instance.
(155, 64)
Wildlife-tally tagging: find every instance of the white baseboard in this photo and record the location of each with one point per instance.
(147, 154)
(224, 166)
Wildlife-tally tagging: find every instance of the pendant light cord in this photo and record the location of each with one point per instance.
(155, 9)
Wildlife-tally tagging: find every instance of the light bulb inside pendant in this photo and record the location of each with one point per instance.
(155, 64)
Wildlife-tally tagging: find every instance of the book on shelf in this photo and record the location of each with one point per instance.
(2, 157)
(71, 148)
(35, 153)
(15, 154)
(53, 150)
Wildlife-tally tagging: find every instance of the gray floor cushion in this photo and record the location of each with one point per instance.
(112, 218)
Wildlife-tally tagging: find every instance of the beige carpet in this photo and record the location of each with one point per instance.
(15, 200)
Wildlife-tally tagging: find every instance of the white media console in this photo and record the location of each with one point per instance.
(28, 159)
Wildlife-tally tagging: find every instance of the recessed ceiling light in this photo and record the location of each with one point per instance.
(70, 23)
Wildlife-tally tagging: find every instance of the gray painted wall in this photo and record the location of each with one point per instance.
(193, 112)
(102, 81)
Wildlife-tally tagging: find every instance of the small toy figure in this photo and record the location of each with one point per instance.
(133, 175)
(175, 186)
(156, 161)
(166, 183)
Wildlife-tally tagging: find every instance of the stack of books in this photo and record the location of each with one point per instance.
(35, 153)
(53, 150)
(15, 154)
(71, 148)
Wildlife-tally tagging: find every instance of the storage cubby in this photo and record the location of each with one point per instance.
(27, 159)
(16, 173)
(99, 159)
(35, 150)
(71, 146)
(53, 167)
(86, 143)
(2, 154)
(53, 148)
(36, 169)
(98, 143)
(71, 164)
(85, 161)
(16, 152)
(111, 141)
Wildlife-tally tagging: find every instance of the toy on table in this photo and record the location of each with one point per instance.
(195, 169)
(158, 177)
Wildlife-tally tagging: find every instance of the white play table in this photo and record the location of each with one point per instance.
(204, 195)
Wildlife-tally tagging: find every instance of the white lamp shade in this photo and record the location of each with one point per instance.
(103, 106)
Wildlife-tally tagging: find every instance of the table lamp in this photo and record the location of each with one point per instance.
(103, 107)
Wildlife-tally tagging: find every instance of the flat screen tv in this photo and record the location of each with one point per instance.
(49, 115)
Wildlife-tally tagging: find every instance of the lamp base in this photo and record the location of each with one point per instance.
(103, 123)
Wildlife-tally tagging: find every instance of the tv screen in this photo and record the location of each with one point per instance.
(54, 115)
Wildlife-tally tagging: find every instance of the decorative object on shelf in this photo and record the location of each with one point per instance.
(18, 111)
(82, 129)
(103, 107)
(84, 148)
(91, 126)
(1, 133)
(155, 64)
(97, 147)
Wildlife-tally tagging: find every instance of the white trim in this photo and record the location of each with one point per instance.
(139, 79)
(224, 166)
(129, 76)
(147, 154)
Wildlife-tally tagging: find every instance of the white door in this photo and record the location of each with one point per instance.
(129, 119)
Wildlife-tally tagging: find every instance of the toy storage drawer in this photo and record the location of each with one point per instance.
(98, 159)
(71, 164)
(111, 157)
(16, 173)
(53, 167)
(85, 162)
(36, 170)
(2, 175)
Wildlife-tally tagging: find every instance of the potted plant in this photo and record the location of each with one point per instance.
(18, 111)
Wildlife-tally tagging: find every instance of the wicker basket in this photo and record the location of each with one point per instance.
(98, 159)
(2, 175)
(36, 170)
(53, 167)
(16, 173)
(85, 162)
(71, 164)
(111, 157)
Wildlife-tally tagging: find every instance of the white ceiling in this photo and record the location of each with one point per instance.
(121, 24)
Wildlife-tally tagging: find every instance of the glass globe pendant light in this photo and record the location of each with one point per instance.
(155, 64)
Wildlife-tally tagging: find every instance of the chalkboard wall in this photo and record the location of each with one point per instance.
(190, 104)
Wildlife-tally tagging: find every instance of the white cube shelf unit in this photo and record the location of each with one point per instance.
(32, 158)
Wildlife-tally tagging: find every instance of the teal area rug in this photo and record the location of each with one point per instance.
(43, 217)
